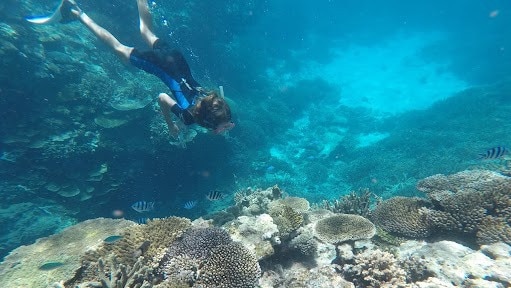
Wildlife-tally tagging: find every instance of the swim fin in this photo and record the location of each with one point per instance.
(62, 14)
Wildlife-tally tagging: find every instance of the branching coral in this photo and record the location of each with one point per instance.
(358, 203)
(149, 240)
(344, 227)
(403, 216)
(122, 276)
(375, 268)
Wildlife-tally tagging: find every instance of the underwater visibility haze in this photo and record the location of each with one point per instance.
(361, 135)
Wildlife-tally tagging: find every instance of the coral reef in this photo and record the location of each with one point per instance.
(296, 203)
(65, 247)
(375, 268)
(470, 202)
(124, 276)
(287, 220)
(299, 277)
(450, 264)
(258, 233)
(198, 243)
(207, 257)
(304, 245)
(149, 240)
(403, 216)
(358, 203)
(229, 265)
(344, 227)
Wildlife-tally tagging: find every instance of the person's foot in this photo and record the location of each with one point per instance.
(69, 11)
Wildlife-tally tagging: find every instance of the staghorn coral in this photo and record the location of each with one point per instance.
(344, 227)
(149, 240)
(403, 216)
(358, 203)
(375, 268)
(470, 202)
(230, 265)
(122, 276)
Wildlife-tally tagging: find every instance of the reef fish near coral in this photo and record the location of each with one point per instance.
(50, 266)
(143, 206)
(214, 195)
(494, 153)
(190, 204)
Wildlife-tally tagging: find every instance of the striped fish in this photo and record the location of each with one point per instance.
(214, 195)
(142, 220)
(143, 206)
(494, 153)
(190, 204)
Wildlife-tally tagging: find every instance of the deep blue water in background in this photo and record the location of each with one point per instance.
(328, 97)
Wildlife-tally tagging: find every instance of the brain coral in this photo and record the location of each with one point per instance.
(344, 227)
(207, 257)
(230, 265)
(198, 243)
(403, 216)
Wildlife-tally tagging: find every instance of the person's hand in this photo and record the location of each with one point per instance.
(174, 131)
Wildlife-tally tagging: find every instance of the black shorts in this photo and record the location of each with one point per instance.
(150, 59)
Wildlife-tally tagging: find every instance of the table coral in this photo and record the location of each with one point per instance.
(344, 227)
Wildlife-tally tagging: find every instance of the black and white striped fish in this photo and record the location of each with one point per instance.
(494, 153)
(190, 204)
(214, 195)
(143, 206)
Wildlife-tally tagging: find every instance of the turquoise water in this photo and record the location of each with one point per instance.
(328, 97)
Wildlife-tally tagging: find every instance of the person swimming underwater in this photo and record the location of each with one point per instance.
(189, 102)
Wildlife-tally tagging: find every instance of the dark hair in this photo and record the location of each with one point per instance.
(211, 111)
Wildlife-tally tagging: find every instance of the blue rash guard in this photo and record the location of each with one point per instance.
(171, 67)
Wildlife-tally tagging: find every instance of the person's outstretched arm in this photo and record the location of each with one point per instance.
(166, 102)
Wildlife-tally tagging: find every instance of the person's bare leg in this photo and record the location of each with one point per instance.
(104, 35)
(146, 23)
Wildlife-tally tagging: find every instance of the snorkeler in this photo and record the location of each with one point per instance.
(190, 102)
